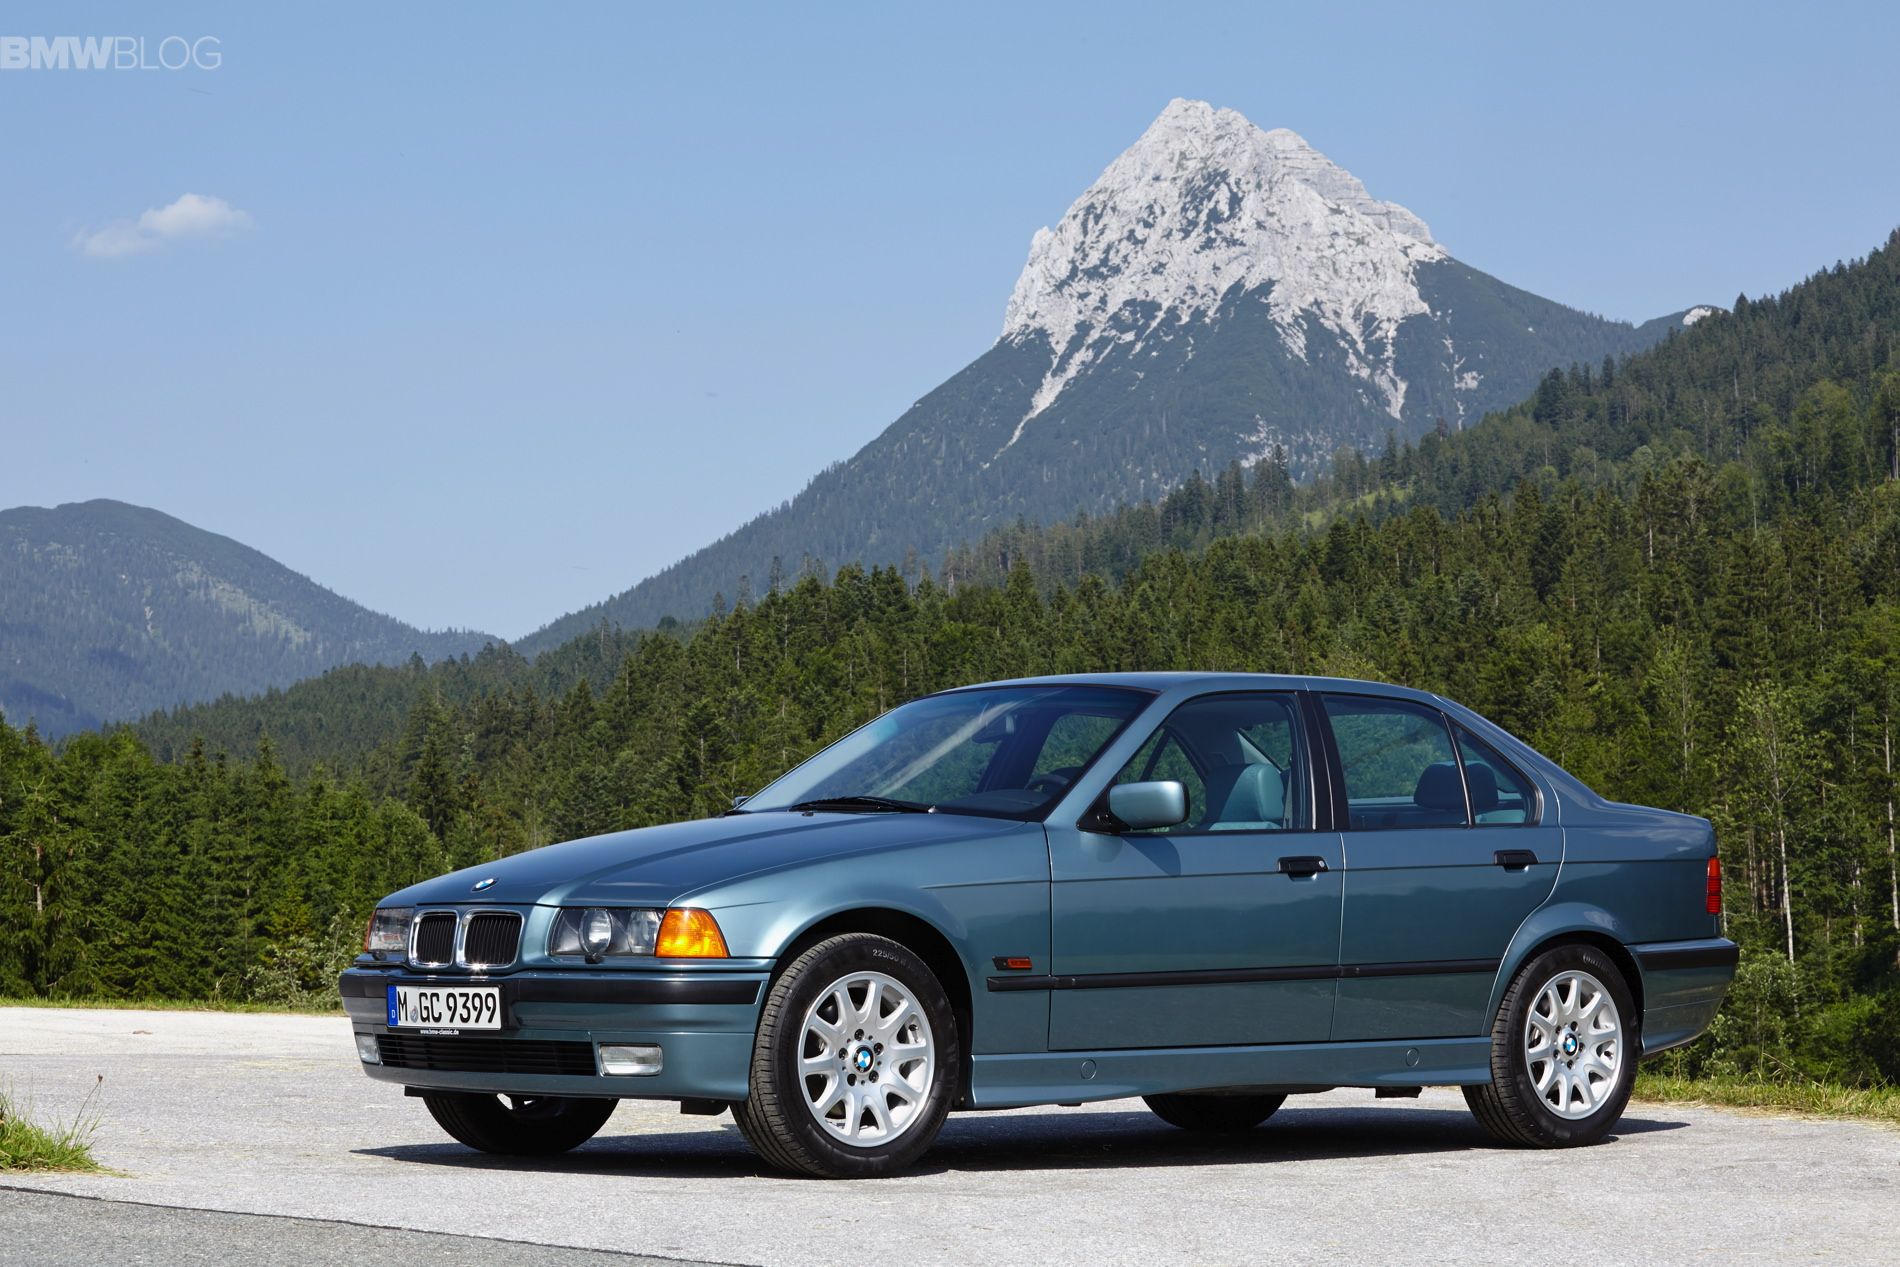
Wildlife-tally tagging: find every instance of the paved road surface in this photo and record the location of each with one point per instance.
(248, 1116)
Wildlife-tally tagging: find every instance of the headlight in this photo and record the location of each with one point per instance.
(597, 932)
(601, 932)
(388, 932)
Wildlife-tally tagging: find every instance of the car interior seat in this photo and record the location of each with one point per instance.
(1248, 796)
(1441, 794)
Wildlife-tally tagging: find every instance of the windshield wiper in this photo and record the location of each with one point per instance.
(852, 804)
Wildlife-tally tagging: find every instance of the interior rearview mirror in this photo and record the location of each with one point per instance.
(1159, 804)
(997, 729)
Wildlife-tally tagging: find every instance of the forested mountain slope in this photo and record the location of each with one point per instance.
(336, 718)
(1788, 397)
(108, 611)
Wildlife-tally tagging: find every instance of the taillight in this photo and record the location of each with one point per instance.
(1715, 886)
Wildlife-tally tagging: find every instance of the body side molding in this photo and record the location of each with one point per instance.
(1224, 976)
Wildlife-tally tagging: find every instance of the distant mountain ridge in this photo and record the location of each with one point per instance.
(109, 611)
(1746, 412)
(1220, 293)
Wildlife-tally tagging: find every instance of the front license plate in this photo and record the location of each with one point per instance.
(444, 1007)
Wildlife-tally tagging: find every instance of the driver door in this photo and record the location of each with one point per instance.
(1223, 930)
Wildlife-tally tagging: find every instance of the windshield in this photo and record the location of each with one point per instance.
(1007, 752)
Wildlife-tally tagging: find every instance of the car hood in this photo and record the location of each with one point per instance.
(654, 866)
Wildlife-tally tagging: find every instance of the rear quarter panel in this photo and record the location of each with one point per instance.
(1631, 875)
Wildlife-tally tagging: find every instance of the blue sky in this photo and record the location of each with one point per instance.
(502, 310)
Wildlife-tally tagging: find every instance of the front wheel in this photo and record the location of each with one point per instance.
(519, 1125)
(855, 1064)
(1214, 1114)
(1563, 1052)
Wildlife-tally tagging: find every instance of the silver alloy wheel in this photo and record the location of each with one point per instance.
(1573, 1044)
(866, 1059)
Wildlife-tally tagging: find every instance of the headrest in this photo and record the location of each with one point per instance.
(1251, 793)
(1440, 788)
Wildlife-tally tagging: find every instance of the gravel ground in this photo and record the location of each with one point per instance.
(269, 1116)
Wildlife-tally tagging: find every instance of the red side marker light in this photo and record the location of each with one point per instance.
(1715, 886)
(1015, 963)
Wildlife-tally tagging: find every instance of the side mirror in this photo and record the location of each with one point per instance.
(1140, 805)
(737, 801)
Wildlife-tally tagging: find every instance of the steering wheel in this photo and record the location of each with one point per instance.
(1052, 782)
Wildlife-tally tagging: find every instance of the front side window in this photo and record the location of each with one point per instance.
(1241, 758)
(1398, 764)
(1007, 752)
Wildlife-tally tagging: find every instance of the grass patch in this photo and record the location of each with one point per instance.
(1813, 1099)
(25, 1145)
(332, 1008)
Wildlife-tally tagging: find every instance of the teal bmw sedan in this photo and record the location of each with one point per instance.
(1212, 891)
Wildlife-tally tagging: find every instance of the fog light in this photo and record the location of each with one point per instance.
(366, 1049)
(638, 1061)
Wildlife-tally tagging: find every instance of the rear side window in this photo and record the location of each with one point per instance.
(1399, 766)
(1500, 796)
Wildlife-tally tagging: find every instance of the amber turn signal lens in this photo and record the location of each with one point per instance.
(687, 933)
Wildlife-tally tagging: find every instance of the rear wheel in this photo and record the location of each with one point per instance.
(1563, 1052)
(855, 1063)
(519, 1125)
(1214, 1114)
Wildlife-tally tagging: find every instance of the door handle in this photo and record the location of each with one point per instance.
(1302, 868)
(1514, 859)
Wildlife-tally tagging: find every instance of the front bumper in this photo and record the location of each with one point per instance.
(703, 1021)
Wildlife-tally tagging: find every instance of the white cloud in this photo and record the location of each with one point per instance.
(192, 216)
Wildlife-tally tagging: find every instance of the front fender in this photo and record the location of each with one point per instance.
(784, 925)
(987, 896)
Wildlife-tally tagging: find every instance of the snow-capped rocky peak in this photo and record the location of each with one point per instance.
(1205, 202)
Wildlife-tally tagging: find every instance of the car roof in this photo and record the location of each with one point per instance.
(1202, 682)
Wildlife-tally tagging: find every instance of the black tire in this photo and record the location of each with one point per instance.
(519, 1126)
(1510, 1106)
(1214, 1114)
(775, 1116)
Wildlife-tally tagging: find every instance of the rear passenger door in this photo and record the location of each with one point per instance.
(1444, 859)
